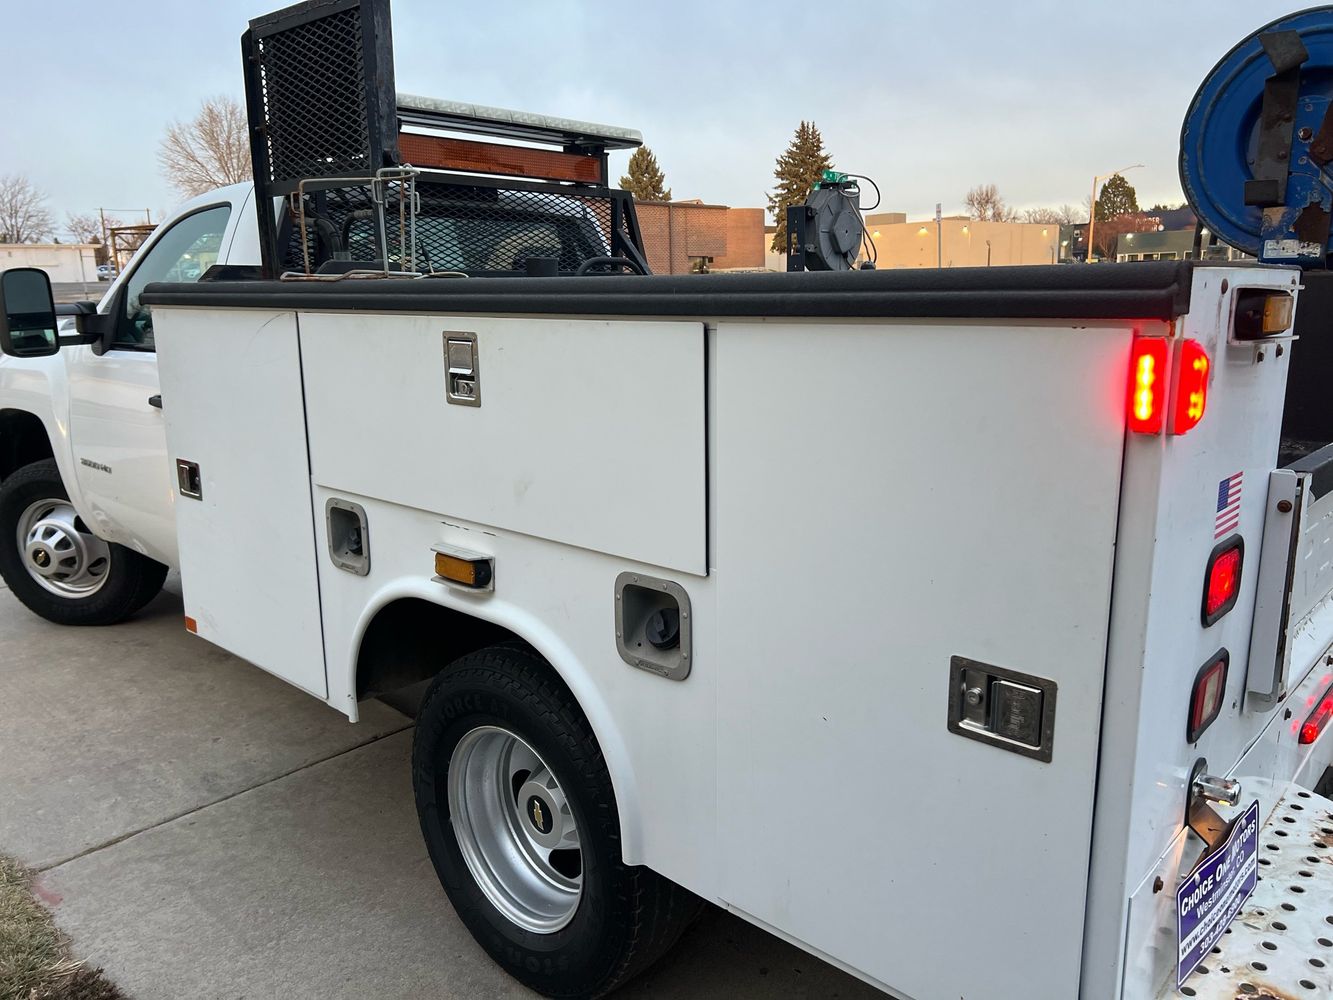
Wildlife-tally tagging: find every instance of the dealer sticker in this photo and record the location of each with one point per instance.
(1208, 899)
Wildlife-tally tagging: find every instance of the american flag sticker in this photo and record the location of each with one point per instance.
(1228, 505)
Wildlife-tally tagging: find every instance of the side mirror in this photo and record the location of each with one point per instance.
(27, 314)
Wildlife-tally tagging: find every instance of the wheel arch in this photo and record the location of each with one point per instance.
(411, 630)
(23, 440)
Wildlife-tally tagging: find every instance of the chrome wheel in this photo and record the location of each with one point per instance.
(59, 553)
(516, 829)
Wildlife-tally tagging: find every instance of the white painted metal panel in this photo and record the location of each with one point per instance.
(889, 496)
(657, 735)
(589, 432)
(248, 546)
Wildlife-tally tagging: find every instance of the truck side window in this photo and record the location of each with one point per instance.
(184, 252)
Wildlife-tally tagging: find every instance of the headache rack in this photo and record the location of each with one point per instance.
(373, 180)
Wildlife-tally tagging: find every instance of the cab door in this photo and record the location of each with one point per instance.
(116, 427)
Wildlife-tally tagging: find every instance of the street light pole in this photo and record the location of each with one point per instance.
(939, 236)
(1092, 205)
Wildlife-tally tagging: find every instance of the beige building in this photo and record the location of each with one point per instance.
(957, 241)
(63, 262)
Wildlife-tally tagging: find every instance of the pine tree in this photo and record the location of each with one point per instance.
(645, 179)
(1118, 198)
(796, 172)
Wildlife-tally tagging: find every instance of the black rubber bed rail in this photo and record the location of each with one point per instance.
(1154, 290)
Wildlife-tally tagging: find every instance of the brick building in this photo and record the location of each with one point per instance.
(679, 235)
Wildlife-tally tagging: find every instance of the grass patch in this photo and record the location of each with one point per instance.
(34, 956)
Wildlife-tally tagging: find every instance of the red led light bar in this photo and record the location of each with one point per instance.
(1192, 366)
(1148, 385)
(1316, 722)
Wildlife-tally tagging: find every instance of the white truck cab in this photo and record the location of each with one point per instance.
(93, 415)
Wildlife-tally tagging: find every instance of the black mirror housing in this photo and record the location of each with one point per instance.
(27, 314)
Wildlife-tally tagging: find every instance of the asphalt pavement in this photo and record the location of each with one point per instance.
(203, 830)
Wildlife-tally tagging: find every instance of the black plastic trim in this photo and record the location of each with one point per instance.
(1192, 735)
(1148, 291)
(1222, 547)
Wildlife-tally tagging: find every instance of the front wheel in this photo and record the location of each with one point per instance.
(520, 820)
(56, 566)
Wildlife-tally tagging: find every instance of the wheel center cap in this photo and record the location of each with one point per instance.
(539, 814)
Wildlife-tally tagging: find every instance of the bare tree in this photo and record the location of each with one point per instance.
(985, 205)
(1070, 216)
(209, 151)
(24, 217)
(87, 228)
(1044, 216)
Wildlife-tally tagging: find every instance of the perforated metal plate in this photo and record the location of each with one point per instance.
(1281, 945)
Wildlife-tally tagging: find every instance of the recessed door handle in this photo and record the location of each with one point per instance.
(155, 401)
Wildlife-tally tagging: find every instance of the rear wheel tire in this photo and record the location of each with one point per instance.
(520, 820)
(56, 566)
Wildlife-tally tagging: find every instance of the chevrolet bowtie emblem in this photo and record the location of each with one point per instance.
(537, 818)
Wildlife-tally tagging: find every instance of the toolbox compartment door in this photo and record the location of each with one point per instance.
(247, 539)
(923, 492)
(583, 431)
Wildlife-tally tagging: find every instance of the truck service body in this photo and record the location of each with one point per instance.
(970, 629)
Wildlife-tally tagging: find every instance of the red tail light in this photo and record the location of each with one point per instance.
(1318, 719)
(1221, 584)
(1147, 385)
(1191, 386)
(1210, 688)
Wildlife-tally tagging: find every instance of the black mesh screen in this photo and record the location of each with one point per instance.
(459, 228)
(314, 97)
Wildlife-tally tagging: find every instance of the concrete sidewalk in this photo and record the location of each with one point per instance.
(207, 831)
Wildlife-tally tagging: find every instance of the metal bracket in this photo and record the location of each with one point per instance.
(1269, 648)
(1201, 817)
(1277, 122)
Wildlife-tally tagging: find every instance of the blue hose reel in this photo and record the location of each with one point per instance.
(1256, 148)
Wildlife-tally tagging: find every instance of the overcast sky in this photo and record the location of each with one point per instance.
(927, 97)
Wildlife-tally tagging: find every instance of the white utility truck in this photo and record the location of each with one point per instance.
(962, 627)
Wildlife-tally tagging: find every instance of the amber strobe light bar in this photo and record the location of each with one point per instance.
(433, 152)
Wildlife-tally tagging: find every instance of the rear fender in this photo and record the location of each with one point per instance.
(520, 622)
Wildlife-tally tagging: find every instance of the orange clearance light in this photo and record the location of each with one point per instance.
(191, 625)
(1147, 385)
(464, 568)
(1318, 719)
(1192, 386)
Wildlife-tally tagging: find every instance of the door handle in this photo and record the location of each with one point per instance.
(155, 401)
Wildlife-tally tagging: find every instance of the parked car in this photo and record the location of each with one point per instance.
(106, 272)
